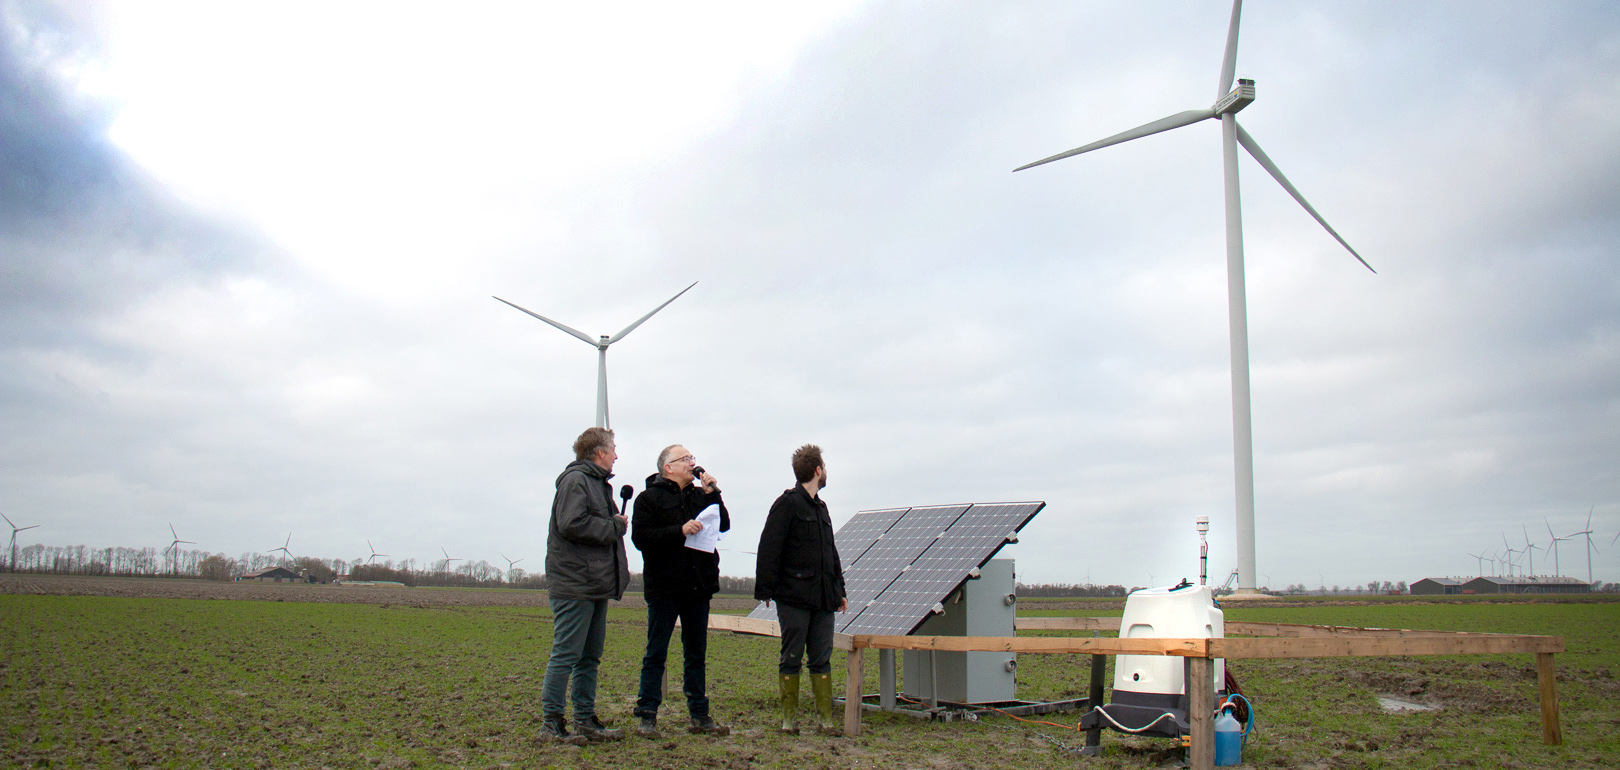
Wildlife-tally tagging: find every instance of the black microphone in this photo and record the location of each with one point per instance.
(625, 493)
(697, 476)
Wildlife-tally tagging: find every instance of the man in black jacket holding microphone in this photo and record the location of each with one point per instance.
(798, 568)
(679, 583)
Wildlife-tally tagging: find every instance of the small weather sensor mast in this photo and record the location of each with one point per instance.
(1203, 550)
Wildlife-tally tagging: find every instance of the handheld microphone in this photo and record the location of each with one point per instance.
(625, 493)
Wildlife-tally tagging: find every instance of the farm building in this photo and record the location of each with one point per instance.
(1534, 584)
(274, 575)
(1437, 587)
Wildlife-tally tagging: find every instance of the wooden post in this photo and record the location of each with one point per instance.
(1200, 713)
(852, 692)
(1547, 676)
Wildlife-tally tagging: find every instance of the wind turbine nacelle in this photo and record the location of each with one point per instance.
(1237, 100)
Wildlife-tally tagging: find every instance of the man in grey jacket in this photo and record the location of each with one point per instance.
(585, 568)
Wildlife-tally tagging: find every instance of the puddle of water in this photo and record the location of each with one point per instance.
(1396, 704)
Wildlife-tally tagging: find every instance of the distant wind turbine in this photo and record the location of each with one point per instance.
(374, 554)
(1590, 547)
(1481, 566)
(1529, 548)
(1557, 570)
(11, 566)
(1510, 551)
(602, 344)
(1228, 102)
(173, 551)
(283, 549)
(447, 558)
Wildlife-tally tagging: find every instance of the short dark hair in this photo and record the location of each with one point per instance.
(592, 441)
(806, 460)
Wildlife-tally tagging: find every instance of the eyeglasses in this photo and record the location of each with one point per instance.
(686, 459)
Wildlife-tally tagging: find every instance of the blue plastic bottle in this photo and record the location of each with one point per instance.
(1228, 739)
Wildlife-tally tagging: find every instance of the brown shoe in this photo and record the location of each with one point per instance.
(705, 725)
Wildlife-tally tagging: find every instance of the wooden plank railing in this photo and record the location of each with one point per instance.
(1244, 640)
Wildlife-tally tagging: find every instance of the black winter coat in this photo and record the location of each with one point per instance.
(585, 556)
(669, 568)
(798, 559)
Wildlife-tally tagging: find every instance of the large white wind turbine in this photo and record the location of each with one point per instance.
(1227, 103)
(601, 344)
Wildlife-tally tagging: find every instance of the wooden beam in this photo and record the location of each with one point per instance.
(1551, 733)
(1201, 713)
(1244, 628)
(743, 624)
(1052, 644)
(1355, 647)
(1066, 624)
(852, 693)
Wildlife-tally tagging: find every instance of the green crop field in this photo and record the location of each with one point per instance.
(93, 681)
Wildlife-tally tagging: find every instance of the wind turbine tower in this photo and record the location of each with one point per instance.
(601, 344)
(11, 566)
(1228, 101)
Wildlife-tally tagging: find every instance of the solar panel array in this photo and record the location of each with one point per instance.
(900, 562)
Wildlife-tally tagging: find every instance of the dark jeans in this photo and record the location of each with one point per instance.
(661, 615)
(798, 627)
(578, 629)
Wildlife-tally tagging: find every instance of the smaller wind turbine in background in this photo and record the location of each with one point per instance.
(511, 566)
(11, 566)
(1481, 566)
(447, 559)
(374, 554)
(1510, 551)
(172, 553)
(1590, 547)
(286, 554)
(1529, 549)
(1558, 571)
(601, 343)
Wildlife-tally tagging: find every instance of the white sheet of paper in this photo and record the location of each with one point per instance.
(708, 538)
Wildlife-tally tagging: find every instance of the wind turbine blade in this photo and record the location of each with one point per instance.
(643, 319)
(25, 529)
(1615, 540)
(1229, 60)
(9, 522)
(1163, 124)
(571, 330)
(1276, 173)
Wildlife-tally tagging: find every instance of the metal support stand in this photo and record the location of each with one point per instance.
(886, 683)
(1094, 699)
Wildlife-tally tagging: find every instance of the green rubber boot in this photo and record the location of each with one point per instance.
(790, 703)
(821, 685)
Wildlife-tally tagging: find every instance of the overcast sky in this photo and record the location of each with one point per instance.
(247, 253)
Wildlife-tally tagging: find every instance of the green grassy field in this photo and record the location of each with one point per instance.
(119, 682)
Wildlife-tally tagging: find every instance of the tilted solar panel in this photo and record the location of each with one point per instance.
(900, 562)
(970, 542)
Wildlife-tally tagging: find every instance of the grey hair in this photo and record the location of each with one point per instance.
(663, 457)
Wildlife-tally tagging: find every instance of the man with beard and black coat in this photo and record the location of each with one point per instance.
(679, 583)
(798, 568)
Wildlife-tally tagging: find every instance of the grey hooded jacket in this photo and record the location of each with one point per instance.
(585, 556)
